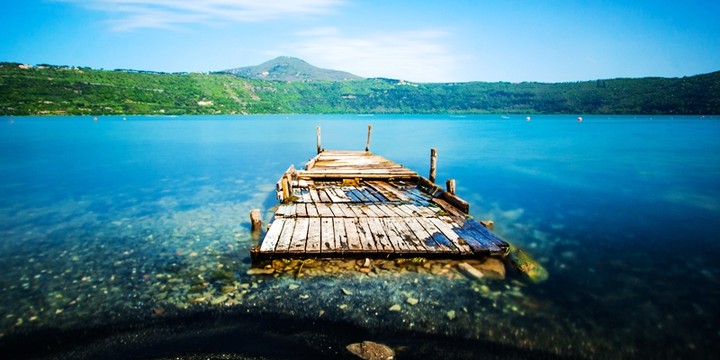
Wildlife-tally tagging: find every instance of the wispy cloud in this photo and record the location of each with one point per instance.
(129, 15)
(419, 55)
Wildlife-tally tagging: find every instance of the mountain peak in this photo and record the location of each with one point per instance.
(287, 68)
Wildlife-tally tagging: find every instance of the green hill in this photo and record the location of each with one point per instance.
(55, 90)
(285, 68)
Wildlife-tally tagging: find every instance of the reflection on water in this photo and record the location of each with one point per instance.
(146, 220)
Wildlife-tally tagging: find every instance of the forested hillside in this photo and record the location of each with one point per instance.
(55, 90)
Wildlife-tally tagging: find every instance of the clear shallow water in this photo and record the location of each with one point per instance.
(117, 222)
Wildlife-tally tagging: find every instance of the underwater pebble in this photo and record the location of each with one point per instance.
(369, 350)
(219, 300)
(256, 271)
(293, 286)
(451, 314)
(395, 307)
(346, 291)
(412, 301)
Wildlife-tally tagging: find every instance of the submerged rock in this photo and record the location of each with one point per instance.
(527, 265)
(470, 271)
(492, 268)
(369, 350)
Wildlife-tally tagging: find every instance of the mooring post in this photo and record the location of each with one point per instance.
(450, 186)
(319, 147)
(367, 143)
(433, 164)
(256, 223)
(285, 189)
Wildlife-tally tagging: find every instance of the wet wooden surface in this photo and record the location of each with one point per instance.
(349, 203)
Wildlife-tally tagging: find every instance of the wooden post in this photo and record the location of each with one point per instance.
(450, 185)
(433, 165)
(289, 177)
(285, 189)
(319, 147)
(367, 143)
(256, 223)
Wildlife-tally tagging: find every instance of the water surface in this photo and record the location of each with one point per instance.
(122, 224)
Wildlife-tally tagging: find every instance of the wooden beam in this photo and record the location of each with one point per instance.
(433, 165)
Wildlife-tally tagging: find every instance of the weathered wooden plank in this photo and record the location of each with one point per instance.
(382, 242)
(350, 193)
(477, 242)
(407, 235)
(341, 241)
(418, 196)
(353, 239)
(336, 209)
(380, 188)
(327, 235)
(356, 210)
(400, 211)
(375, 194)
(367, 211)
(382, 210)
(283, 210)
(442, 241)
(422, 235)
(368, 195)
(299, 236)
(304, 195)
(271, 237)
(365, 235)
(301, 210)
(356, 195)
(423, 211)
(311, 210)
(450, 234)
(395, 238)
(324, 197)
(375, 209)
(334, 195)
(283, 243)
(314, 195)
(347, 209)
(323, 210)
(448, 208)
(397, 195)
(313, 238)
(490, 236)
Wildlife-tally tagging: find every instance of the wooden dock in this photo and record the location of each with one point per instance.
(358, 204)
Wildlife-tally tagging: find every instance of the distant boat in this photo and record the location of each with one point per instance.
(504, 117)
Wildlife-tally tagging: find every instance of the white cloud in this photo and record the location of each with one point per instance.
(135, 14)
(420, 55)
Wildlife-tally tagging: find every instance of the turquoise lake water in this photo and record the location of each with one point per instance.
(111, 230)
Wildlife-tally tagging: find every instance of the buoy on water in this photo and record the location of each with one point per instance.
(579, 118)
(527, 118)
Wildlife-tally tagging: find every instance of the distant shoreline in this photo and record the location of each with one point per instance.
(83, 91)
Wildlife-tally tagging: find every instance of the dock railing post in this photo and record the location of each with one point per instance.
(433, 165)
(450, 185)
(367, 143)
(319, 147)
(256, 223)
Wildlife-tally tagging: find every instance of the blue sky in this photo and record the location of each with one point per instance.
(423, 41)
